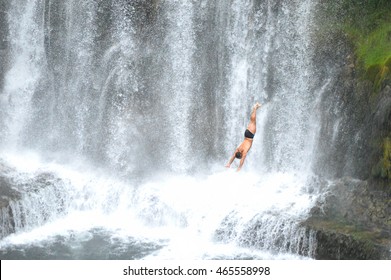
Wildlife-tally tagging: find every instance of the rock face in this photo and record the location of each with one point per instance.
(356, 114)
(352, 220)
(333, 245)
(355, 201)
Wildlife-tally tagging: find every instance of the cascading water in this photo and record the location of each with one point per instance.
(118, 117)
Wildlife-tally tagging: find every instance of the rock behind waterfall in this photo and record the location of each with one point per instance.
(7, 191)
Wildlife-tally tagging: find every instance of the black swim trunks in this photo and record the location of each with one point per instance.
(248, 134)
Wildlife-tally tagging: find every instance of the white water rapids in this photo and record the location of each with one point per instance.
(117, 118)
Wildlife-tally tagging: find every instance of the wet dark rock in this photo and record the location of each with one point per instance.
(15, 187)
(7, 190)
(336, 244)
(352, 220)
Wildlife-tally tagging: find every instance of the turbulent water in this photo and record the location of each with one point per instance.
(117, 118)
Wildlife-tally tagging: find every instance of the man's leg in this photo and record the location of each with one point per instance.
(252, 126)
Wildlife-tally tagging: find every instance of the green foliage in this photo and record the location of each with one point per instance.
(368, 24)
(374, 52)
(375, 48)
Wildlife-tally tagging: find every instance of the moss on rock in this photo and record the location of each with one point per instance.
(383, 168)
(344, 241)
(379, 75)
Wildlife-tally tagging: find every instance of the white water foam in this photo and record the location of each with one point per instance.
(182, 213)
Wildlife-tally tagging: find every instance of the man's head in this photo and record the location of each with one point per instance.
(238, 155)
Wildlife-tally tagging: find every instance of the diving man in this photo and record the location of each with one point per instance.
(242, 150)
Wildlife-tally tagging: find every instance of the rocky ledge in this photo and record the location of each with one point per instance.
(352, 220)
(7, 191)
(16, 188)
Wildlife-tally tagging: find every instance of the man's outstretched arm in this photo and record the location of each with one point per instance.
(241, 162)
(231, 160)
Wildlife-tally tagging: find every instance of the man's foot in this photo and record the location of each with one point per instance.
(256, 106)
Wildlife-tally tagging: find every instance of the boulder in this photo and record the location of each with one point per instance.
(44, 193)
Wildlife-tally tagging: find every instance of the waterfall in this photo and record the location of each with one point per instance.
(135, 106)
